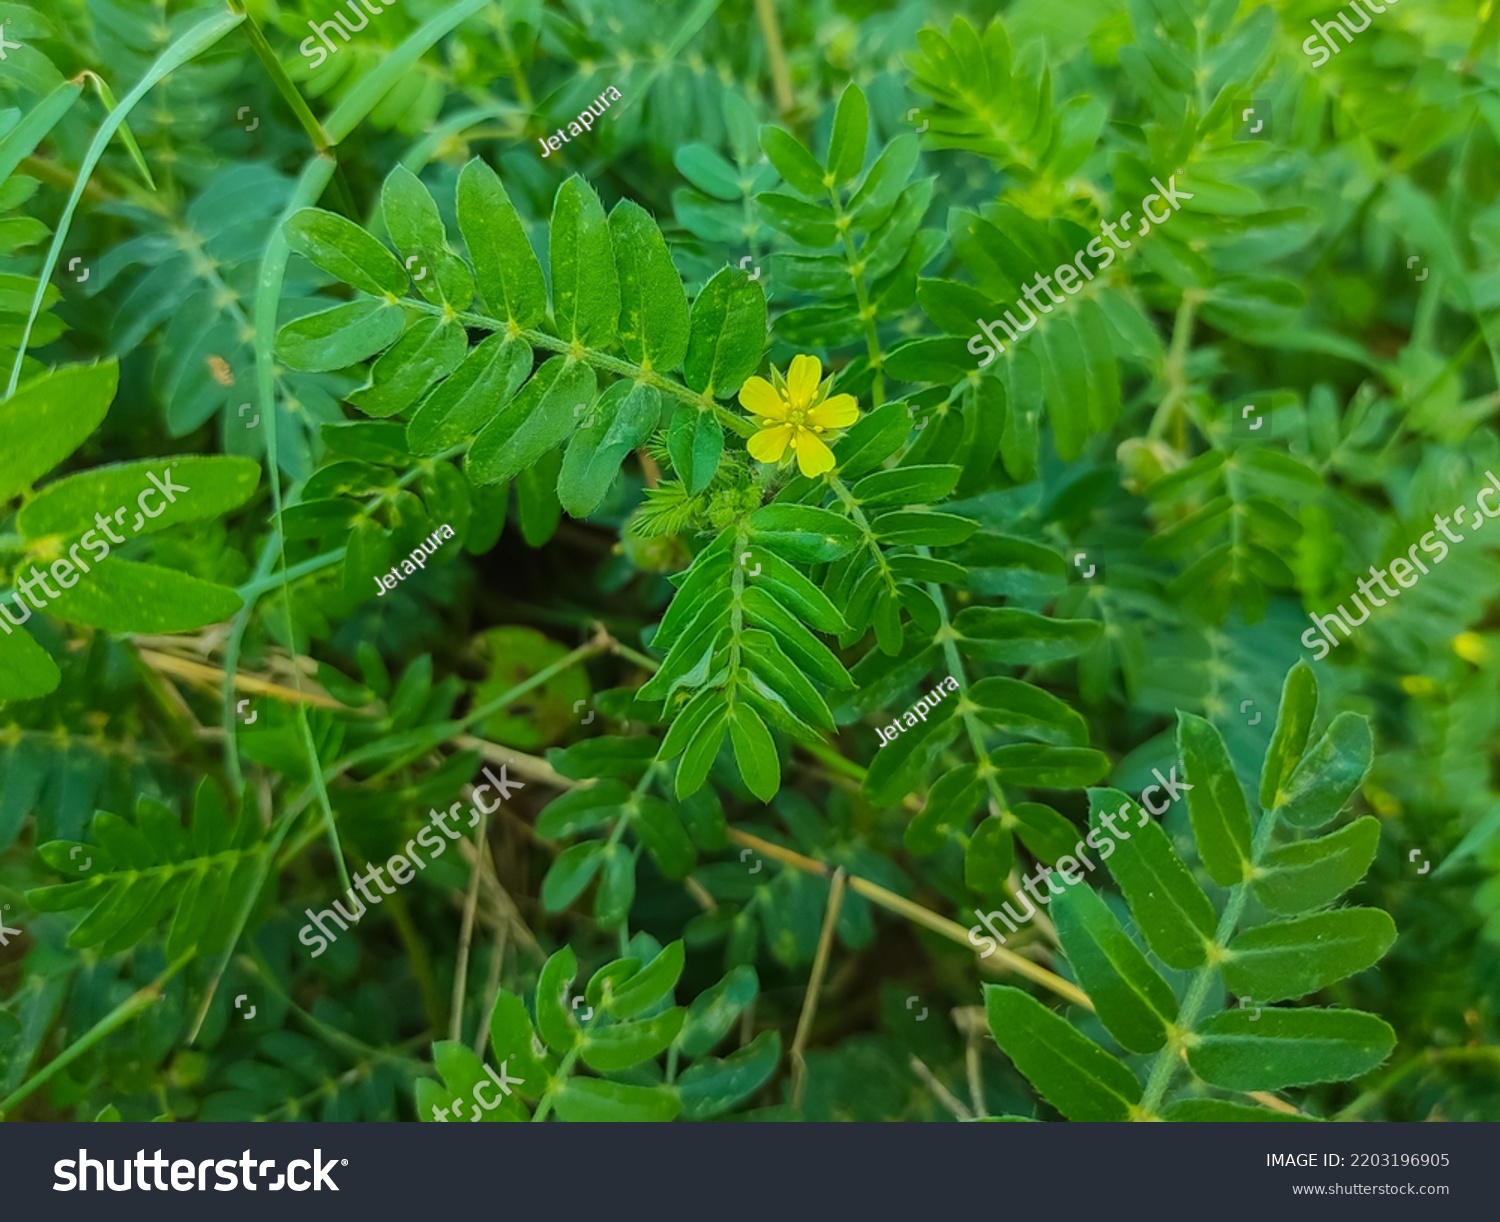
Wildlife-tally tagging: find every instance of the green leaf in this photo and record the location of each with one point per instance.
(925, 528)
(626, 1045)
(1221, 1110)
(49, 417)
(708, 171)
(616, 887)
(1023, 638)
(1022, 708)
(584, 1100)
(804, 649)
(887, 177)
(1049, 767)
(851, 130)
(340, 337)
(775, 671)
(695, 441)
(754, 752)
(1064, 375)
(606, 756)
(650, 986)
(901, 767)
(580, 810)
(1069, 1070)
(1297, 957)
(431, 349)
(625, 417)
(713, 1086)
(1175, 916)
(989, 856)
(1216, 803)
(803, 533)
(416, 229)
(1299, 877)
(918, 485)
(658, 828)
(703, 747)
(511, 1034)
(134, 875)
(716, 1010)
(509, 275)
(462, 1071)
(570, 873)
(1328, 774)
(203, 487)
(1299, 702)
(1044, 832)
(653, 306)
(1239, 1050)
(33, 127)
(585, 284)
(533, 422)
(345, 251)
(554, 1020)
(1132, 1000)
(792, 161)
(471, 396)
(26, 669)
(795, 592)
(127, 596)
(727, 332)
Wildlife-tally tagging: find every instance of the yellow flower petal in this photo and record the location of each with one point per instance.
(802, 379)
(759, 397)
(813, 457)
(769, 445)
(838, 412)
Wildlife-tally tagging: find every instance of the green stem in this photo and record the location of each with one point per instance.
(563, 1070)
(862, 298)
(972, 727)
(243, 916)
(1168, 1058)
(193, 43)
(259, 585)
(1176, 368)
(309, 187)
(112, 1021)
(228, 718)
(598, 360)
(857, 516)
(284, 86)
(507, 698)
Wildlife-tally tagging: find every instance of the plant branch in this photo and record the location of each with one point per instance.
(814, 986)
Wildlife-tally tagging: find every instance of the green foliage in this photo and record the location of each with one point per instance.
(628, 1022)
(1277, 960)
(377, 339)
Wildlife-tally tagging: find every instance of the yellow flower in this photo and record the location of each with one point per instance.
(794, 412)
